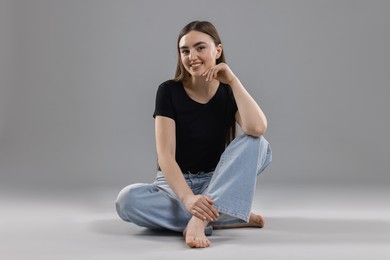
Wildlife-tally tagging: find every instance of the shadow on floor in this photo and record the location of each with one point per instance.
(122, 228)
(315, 230)
(277, 230)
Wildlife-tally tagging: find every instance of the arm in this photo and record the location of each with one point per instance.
(198, 205)
(249, 115)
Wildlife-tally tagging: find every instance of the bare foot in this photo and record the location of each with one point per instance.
(256, 221)
(194, 233)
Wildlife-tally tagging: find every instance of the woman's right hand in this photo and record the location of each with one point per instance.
(201, 206)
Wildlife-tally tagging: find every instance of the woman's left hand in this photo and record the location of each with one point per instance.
(220, 72)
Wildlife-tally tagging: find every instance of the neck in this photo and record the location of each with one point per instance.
(200, 85)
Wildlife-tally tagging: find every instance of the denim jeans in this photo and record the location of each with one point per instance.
(231, 186)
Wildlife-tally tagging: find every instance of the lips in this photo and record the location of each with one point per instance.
(195, 65)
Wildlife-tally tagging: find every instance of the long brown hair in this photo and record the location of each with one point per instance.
(182, 74)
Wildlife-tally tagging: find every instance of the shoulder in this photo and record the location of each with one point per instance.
(169, 89)
(227, 94)
(170, 85)
(226, 89)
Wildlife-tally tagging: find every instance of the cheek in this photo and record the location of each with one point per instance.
(211, 60)
(184, 61)
(212, 56)
(185, 64)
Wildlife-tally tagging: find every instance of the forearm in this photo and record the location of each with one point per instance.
(200, 206)
(253, 119)
(175, 178)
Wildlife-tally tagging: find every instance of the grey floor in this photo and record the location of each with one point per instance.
(303, 222)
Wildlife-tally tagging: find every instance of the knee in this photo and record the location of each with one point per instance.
(265, 151)
(262, 148)
(247, 144)
(127, 202)
(263, 143)
(265, 154)
(255, 141)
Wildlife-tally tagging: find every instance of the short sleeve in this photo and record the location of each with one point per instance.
(164, 104)
(232, 107)
(234, 104)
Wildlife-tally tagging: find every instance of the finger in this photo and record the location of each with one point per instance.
(213, 210)
(201, 213)
(209, 199)
(210, 75)
(211, 213)
(198, 215)
(205, 72)
(215, 74)
(205, 213)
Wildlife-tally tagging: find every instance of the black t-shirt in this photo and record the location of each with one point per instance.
(201, 129)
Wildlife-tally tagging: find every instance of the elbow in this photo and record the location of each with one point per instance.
(256, 130)
(255, 127)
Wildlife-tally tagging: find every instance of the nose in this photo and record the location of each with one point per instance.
(192, 56)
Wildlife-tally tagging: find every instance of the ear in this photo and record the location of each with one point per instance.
(219, 51)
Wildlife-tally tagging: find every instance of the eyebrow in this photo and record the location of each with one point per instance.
(196, 44)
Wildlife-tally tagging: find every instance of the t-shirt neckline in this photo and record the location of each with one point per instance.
(203, 104)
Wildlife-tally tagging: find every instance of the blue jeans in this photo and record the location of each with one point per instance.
(231, 186)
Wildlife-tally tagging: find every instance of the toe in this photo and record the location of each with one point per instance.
(190, 241)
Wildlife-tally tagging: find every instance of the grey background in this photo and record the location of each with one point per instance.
(78, 82)
(77, 88)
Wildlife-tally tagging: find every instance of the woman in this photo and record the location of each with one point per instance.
(205, 180)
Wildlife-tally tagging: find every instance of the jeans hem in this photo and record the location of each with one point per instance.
(238, 215)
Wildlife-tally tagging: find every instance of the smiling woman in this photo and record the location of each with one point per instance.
(208, 33)
(205, 179)
(197, 49)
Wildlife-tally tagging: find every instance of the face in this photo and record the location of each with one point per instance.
(198, 52)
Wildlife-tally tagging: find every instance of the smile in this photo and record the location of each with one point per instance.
(196, 64)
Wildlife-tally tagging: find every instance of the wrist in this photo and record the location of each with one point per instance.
(185, 198)
(234, 81)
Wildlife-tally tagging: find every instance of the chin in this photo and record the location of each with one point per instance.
(196, 74)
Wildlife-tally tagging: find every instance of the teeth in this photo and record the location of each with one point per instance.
(196, 65)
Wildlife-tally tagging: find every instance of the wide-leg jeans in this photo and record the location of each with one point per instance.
(231, 186)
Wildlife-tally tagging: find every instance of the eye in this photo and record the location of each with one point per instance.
(185, 52)
(201, 47)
